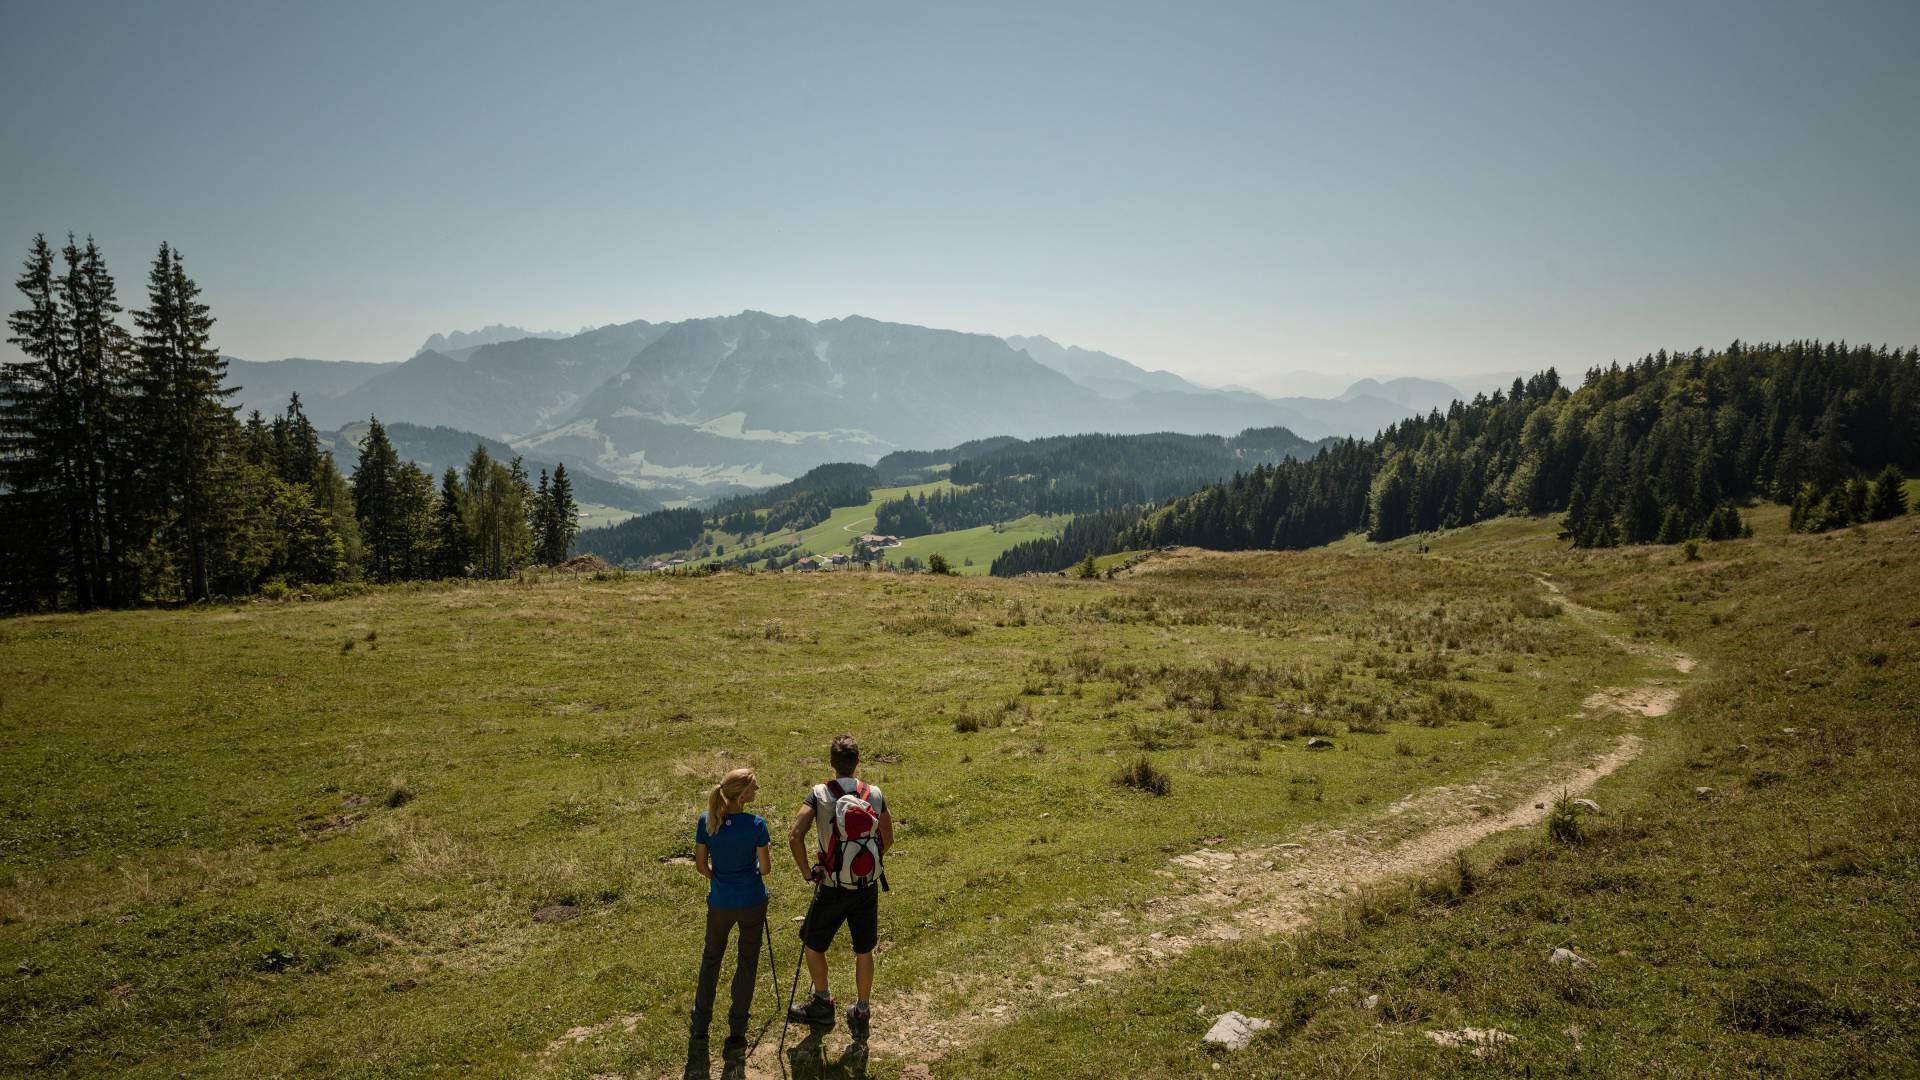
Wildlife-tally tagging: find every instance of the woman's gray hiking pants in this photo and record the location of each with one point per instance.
(752, 922)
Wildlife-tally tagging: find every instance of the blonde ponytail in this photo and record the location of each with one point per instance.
(725, 798)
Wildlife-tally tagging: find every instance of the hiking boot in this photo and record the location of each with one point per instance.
(817, 1011)
(859, 1019)
(735, 1046)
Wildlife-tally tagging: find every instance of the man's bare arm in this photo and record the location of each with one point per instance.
(797, 841)
(886, 833)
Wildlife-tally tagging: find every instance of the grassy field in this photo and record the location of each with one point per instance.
(971, 551)
(598, 515)
(1746, 900)
(311, 838)
(840, 530)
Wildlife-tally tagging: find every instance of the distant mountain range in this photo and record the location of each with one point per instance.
(705, 406)
(267, 385)
(460, 340)
(437, 449)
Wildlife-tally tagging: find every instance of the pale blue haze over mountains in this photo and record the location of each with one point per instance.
(689, 409)
(1224, 192)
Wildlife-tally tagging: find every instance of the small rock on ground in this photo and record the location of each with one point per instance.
(1482, 1041)
(1569, 957)
(1233, 1030)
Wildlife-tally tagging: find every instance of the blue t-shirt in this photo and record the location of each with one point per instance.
(734, 856)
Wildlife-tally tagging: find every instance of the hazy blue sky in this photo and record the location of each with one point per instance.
(1228, 191)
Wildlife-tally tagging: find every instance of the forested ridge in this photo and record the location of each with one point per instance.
(126, 478)
(993, 480)
(1083, 474)
(1660, 450)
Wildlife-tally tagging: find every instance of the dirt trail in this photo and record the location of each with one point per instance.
(1216, 894)
(1681, 662)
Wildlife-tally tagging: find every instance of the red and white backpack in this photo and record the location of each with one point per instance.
(852, 854)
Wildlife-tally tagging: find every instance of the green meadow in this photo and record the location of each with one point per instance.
(971, 552)
(313, 838)
(839, 531)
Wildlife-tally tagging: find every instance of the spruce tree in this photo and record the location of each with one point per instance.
(256, 440)
(296, 444)
(1859, 494)
(414, 491)
(377, 503)
(517, 518)
(451, 552)
(542, 518)
(39, 491)
(1889, 495)
(97, 434)
(333, 494)
(1673, 527)
(566, 515)
(482, 523)
(187, 431)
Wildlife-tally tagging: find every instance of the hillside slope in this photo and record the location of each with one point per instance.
(1743, 899)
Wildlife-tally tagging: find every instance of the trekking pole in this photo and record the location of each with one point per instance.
(773, 966)
(786, 1018)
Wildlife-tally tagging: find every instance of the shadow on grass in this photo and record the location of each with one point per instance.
(808, 1059)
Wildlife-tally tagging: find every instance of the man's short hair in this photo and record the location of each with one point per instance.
(845, 755)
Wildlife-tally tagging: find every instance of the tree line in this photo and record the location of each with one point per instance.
(1081, 474)
(1664, 449)
(126, 478)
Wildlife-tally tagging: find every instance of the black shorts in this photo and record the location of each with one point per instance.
(858, 908)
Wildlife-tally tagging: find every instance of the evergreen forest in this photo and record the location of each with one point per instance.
(126, 478)
(1662, 450)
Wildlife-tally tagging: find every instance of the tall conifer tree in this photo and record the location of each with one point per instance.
(187, 431)
(107, 529)
(452, 552)
(377, 501)
(566, 515)
(39, 489)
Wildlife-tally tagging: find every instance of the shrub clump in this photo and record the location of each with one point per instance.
(1563, 823)
(1774, 1005)
(1144, 775)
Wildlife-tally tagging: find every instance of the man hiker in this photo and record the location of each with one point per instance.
(853, 831)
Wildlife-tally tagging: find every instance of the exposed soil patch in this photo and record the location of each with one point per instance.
(1643, 700)
(625, 1022)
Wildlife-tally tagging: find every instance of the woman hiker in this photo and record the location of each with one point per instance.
(730, 850)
